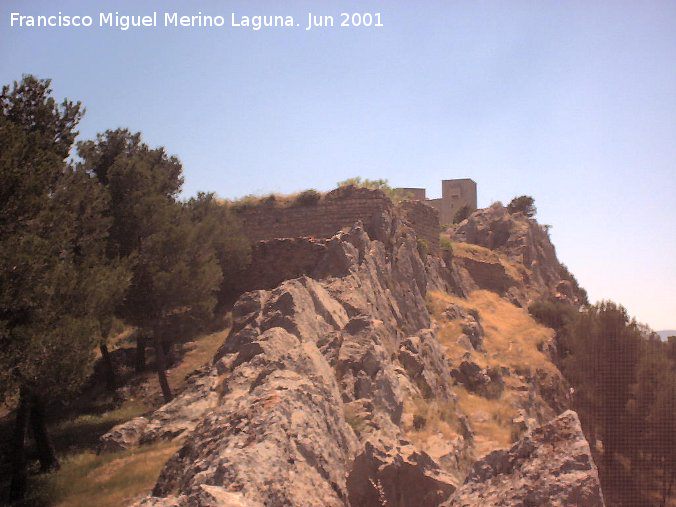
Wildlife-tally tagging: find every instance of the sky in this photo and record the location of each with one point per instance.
(571, 102)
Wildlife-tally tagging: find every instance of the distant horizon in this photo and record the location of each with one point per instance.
(573, 104)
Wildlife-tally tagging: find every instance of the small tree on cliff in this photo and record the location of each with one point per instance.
(462, 214)
(175, 273)
(523, 204)
(55, 281)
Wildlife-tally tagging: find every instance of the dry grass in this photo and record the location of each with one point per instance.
(204, 348)
(305, 198)
(511, 337)
(491, 420)
(433, 418)
(108, 480)
(113, 479)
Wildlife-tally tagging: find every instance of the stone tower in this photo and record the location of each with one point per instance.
(454, 195)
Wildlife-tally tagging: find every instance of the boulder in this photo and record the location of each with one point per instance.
(397, 476)
(123, 436)
(552, 466)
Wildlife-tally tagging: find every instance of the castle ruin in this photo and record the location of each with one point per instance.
(454, 195)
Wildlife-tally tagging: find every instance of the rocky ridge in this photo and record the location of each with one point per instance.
(336, 387)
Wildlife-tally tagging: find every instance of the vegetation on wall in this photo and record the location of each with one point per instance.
(462, 214)
(395, 194)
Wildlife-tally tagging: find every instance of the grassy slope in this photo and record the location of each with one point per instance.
(110, 479)
(511, 339)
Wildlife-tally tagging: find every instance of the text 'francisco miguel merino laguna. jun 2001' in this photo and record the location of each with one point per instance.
(308, 21)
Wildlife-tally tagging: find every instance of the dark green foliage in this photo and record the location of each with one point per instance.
(552, 313)
(446, 244)
(175, 270)
(462, 214)
(625, 392)
(56, 287)
(523, 204)
(603, 345)
(141, 182)
(231, 247)
(307, 198)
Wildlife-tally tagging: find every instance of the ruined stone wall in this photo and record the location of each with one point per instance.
(339, 208)
(336, 210)
(425, 221)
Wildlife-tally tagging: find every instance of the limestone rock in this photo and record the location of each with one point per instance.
(278, 437)
(524, 242)
(170, 421)
(123, 436)
(552, 465)
(397, 476)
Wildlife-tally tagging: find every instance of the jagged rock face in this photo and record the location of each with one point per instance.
(305, 402)
(550, 466)
(397, 477)
(277, 437)
(523, 241)
(174, 419)
(353, 339)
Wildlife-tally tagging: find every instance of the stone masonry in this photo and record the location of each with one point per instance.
(454, 195)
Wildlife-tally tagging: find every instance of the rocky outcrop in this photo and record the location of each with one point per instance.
(399, 476)
(552, 465)
(312, 368)
(308, 401)
(522, 241)
(171, 421)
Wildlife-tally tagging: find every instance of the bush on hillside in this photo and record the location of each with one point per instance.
(462, 214)
(523, 204)
(394, 194)
(551, 313)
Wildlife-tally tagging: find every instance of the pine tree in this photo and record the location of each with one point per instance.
(232, 248)
(603, 344)
(55, 281)
(175, 273)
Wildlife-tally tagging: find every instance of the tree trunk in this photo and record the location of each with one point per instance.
(161, 366)
(46, 453)
(168, 353)
(17, 488)
(108, 367)
(140, 353)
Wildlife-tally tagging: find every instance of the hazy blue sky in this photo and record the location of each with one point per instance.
(572, 103)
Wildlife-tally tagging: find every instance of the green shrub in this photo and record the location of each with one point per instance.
(395, 194)
(462, 214)
(523, 204)
(446, 244)
(554, 314)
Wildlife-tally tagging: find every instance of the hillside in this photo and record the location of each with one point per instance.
(378, 375)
